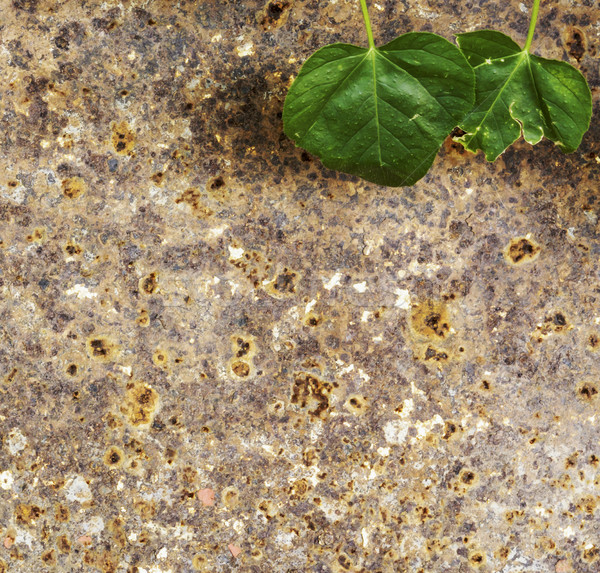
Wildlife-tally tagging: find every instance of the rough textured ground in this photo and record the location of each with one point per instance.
(216, 355)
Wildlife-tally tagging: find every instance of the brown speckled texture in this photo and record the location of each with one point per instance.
(216, 355)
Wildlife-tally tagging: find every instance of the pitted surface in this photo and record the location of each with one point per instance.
(218, 356)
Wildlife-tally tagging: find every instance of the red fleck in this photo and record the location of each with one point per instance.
(84, 540)
(235, 550)
(8, 541)
(206, 496)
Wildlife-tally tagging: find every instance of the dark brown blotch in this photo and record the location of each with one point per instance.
(576, 43)
(521, 250)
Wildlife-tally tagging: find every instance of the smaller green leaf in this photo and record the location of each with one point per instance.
(380, 113)
(518, 93)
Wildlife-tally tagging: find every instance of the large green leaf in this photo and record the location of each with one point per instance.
(380, 113)
(521, 93)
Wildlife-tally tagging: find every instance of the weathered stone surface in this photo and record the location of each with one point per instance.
(218, 356)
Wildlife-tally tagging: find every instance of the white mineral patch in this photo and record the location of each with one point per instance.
(235, 253)
(162, 554)
(403, 300)
(396, 431)
(423, 428)
(78, 490)
(334, 511)
(81, 291)
(333, 281)
(125, 370)
(363, 375)
(15, 194)
(285, 540)
(569, 531)
(246, 49)
(360, 287)
(346, 369)
(416, 390)
(408, 406)
(16, 441)
(93, 526)
(238, 526)
(23, 537)
(217, 231)
(6, 480)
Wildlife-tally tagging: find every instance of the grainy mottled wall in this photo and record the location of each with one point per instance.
(216, 355)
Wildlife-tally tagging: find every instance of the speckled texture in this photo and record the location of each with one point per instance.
(218, 356)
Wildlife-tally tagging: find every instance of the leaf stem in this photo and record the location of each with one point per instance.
(532, 23)
(365, 12)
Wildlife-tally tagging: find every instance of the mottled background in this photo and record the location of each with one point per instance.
(217, 355)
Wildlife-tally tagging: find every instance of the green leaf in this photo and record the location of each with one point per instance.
(380, 113)
(521, 93)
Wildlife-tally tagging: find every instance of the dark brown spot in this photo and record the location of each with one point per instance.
(61, 513)
(433, 354)
(576, 44)
(244, 348)
(449, 429)
(587, 391)
(72, 250)
(217, 183)
(590, 554)
(146, 396)
(285, 282)
(522, 250)
(49, 557)
(63, 544)
(149, 284)
(99, 347)
(28, 514)
(309, 391)
(11, 376)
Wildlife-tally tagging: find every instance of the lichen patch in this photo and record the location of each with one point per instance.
(123, 138)
(521, 250)
(101, 348)
(141, 404)
(430, 320)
